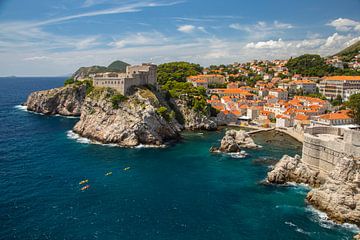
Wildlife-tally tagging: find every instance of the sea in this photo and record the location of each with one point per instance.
(181, 191)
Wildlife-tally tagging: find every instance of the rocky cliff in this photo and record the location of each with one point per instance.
(127, 122)
(291, 169)
(235, 141)
(191, 119)
(339, 196)
(65, 101)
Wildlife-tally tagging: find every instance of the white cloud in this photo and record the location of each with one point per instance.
(271, 44)
(334, 40)
(186, 28)
(36, 58)
(280, 25)
(190, 28)
(345, 25)
(140, 39)
(261, 26)
(87, 43)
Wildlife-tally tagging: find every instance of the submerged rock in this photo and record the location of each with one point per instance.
(292, 169)
(339, 196)
(132, 122)
(65, 101)
(235, 141)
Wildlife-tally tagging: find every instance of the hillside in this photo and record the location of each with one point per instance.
(116, 66)
(349, 52)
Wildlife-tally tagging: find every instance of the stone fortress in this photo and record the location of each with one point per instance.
(136, 75)
(324, 146)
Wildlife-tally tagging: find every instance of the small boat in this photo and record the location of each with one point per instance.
(127, 168)
(108, 173)
(84, 181)
(85, 187)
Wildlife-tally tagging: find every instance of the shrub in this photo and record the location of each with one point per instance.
(117, 99)
(69, 81)
(163, 112)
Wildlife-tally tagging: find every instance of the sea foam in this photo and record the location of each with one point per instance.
(325, 222)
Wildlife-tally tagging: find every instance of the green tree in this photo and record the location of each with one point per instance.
(177, 71)
(308, 65)
(337, 101)
(354, 105)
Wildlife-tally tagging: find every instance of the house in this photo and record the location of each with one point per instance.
(334, 119)
(283, 121)
(280, 94)
(253, 113)
(306, 86)
(208, 79)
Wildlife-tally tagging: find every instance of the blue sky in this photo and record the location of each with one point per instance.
(55, 37)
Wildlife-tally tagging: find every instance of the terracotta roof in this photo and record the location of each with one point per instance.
(342, 78)
(344, 114)
(301, 117)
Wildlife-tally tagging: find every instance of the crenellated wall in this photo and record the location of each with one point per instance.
(323, 147)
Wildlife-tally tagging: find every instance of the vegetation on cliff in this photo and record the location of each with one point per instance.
(350, 52)
(308, 65)
(177, 71)
(314, 65)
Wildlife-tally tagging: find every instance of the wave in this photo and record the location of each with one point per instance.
(325, 222)
(58, 115)
(74, 136)
(71, 135)
(238, 154)
(24, 108)
(297, 229)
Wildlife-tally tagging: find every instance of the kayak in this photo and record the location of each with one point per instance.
(83, 181)
(85, 187)
(108, 174)
(127, 168)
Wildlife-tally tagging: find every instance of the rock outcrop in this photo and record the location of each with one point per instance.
(235, 141)
(339, 196)
(193, 120)
(132, 122)
(291, 169)
(65, 101)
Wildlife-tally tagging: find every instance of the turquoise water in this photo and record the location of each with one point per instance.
(179, 192)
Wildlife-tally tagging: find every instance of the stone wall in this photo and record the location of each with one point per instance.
(323, 147)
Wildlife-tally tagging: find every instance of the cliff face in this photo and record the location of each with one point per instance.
(193, 120)
(291, 169)
(339, 196)
(132, 122)
(65, 101)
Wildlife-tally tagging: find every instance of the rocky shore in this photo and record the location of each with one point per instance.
(338, 195)
(291, 169)
(235, 141)
(66, 101)
(132, 122)
(127, 121)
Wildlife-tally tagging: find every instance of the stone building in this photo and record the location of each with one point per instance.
(134, 76)
(323, 147)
